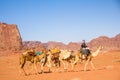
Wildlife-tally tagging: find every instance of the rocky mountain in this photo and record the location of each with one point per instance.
(107, 43)
(37, 45)
(10, 38)
(73, 46)
(52, 44)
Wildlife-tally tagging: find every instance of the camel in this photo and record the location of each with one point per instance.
(66, 57)
(88, 59)
(52, 60)
(63, 56)
(55, 57)
(31, 56)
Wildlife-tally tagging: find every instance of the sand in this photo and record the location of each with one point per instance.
(107, 68)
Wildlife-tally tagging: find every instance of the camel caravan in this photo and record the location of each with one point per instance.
(55, 58)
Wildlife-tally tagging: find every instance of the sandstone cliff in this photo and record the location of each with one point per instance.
(10, 38)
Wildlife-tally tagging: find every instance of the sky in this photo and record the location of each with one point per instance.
(62, 20)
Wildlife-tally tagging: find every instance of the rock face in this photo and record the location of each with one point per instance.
(10, 38)
(53, 44)
(107, 43)
(73, 46)
(37, 45)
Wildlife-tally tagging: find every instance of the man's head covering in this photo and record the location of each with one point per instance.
(83, 40)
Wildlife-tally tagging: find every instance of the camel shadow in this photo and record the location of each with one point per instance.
(86, 70)
(103, 68)
(47, 72)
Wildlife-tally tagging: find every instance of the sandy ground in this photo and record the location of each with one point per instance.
(107, 68)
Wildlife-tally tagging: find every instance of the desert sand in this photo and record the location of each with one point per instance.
(107, 68)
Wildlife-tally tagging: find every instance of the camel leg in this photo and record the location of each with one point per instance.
(67, 66)
(24, 72)
(31, 68)
(63, 63)
(20, 70)
(49, 63)
(92, 65)
(35, 65)
(22, 63)
(76, 60)
(49, 66)
(86, 64)
(42, 67)
(72, 66)
(64, 66)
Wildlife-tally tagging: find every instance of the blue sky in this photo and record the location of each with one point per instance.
(62, 20)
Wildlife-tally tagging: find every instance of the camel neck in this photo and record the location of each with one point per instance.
(96, 52)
